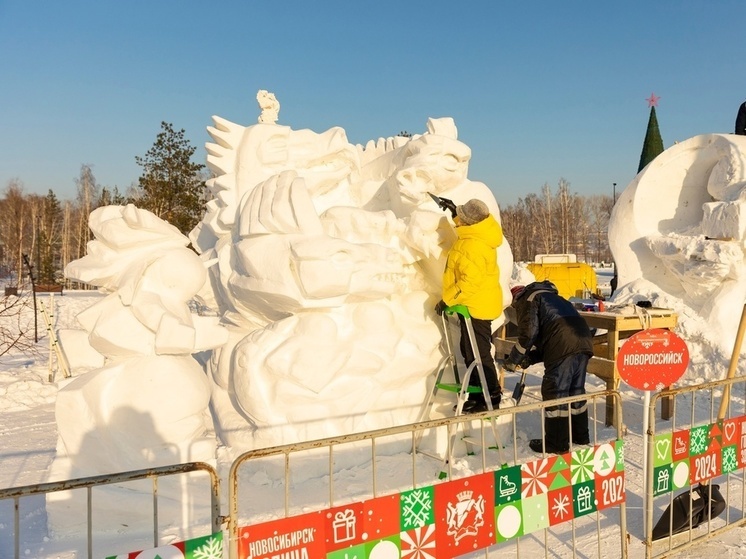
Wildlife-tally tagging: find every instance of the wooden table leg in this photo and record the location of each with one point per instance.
(612, 337)
(610, 404)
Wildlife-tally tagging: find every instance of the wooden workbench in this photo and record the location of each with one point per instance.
(619, 326)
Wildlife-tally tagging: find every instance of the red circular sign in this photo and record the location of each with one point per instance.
(652, 359)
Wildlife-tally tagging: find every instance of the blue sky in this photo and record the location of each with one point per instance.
(539, 90)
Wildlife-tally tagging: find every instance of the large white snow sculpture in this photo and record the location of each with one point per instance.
(681, 225)
(146, 333)
(328, 265)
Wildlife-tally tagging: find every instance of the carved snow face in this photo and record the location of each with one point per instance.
(433, 164)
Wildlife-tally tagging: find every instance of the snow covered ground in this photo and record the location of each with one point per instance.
(28, 439)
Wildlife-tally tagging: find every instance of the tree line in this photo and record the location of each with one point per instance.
(562, 222)
(52, 233)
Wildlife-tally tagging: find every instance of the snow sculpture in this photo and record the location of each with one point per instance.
(681, 225)
(269, 105)
(148, 404)
(328, 264)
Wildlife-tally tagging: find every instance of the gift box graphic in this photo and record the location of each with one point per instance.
(344, 525)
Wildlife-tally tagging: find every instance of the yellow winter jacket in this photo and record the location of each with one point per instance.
(472, 277)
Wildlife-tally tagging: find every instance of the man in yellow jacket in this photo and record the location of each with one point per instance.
(472, 278)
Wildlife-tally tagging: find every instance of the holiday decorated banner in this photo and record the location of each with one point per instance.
(691, 456)
(451, 518)
(207, 547)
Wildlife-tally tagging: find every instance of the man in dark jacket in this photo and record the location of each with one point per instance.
(741, 120)
(551, 330)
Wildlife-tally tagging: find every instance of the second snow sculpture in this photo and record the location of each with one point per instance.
(681, 225)
(146, 334)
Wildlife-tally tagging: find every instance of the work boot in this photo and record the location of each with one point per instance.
(472, 406)
(536, 446)
(496, 397)
(556, 434)
(579, 424)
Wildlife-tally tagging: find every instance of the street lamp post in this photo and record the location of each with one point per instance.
(615, 279)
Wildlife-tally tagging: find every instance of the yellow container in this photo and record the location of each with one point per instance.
(573, 279)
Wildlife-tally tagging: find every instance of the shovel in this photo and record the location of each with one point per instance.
(705, 501)
(519, 387)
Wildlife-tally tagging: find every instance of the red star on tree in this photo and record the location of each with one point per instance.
(652, 100)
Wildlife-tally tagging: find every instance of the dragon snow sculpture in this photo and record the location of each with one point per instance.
(325, 264)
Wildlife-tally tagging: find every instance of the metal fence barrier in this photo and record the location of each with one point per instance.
(89, 483)
(289, 500)
(443, 484)
(693, 461)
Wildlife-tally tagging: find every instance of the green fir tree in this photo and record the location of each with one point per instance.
(172, 185)
(49, 241)
(653, 144)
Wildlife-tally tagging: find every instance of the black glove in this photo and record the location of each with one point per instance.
(510, 366)
(449, 205)
(440, 307)
(444, 204)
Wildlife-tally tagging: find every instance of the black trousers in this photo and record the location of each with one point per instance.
(565, 378)
(483, 334)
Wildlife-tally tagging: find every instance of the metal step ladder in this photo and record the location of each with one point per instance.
(462, 388)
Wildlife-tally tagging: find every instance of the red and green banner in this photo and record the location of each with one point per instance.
(453, 517)
(691, 456)
(206, 547)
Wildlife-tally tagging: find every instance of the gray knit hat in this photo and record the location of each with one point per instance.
(472, 212)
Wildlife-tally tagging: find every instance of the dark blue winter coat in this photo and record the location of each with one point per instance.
(549, 326)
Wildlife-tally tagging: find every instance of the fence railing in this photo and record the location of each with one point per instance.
(297, 498)
(89, 484)
(438, 484)
(695, 462)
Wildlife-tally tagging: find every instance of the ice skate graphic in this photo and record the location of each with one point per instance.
(466, 516)
(680, 446)
(507, 487)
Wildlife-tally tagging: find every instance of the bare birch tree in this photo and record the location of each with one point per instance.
(88, 193)
(15, 229)
(17, 324)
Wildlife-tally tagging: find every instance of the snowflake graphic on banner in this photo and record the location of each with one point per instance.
(730, 462)
(418, 543)
(581, 467)
(212, 549)
(535, 477)
(699, 439)
(417, 508)
(561, 507)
